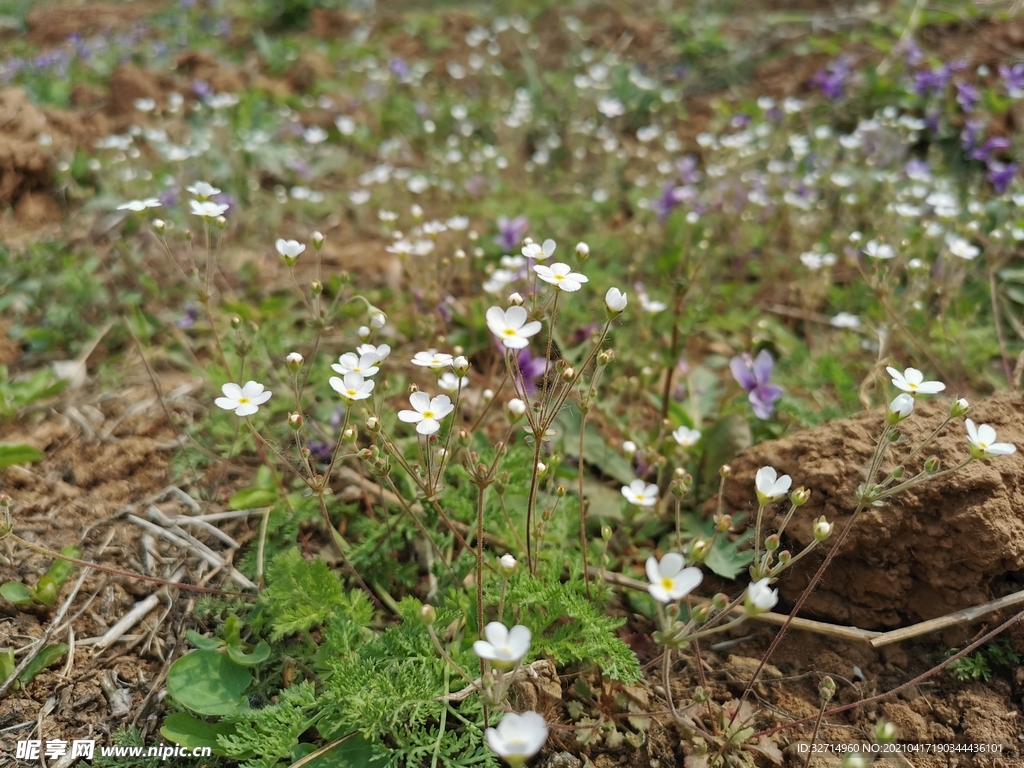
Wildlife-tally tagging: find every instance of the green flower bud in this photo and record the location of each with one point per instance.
(885, 731)
(827, 689)
(931, 465)
(428, 615)
(295, 421)
(799, 497)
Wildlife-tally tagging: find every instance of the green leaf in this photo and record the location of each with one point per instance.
(188, 731)
(208, 683)
(596, 450)
(260, 654)
(203, 643)
(18, 453)
(61, 570)
(16, 592)
(252, 498)
(354, 752)
(7, 664)
(51, 654)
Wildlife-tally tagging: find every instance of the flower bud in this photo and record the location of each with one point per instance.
(364, 331)
(606, 533)
(931, 465)
(615, 302)
(771, 543)
(463, 437)
(569, 373)
(700, 549)
(582, 251)
(700, 614)
(350, 435)
(720, 601)
(560, 491)
(377, 318)
(799, 497)
(428, 615)
(899, 409)
(605, 356)
(885, 731)
(515, 299)
(236, 322)
(959, 407)
(221, 222)
(501, 483)
(159, 226)
(189, 234)
(487, 395)
(5, 500)
(898, 472)
(516, 408)
(723, 523)
(316, 288)
(318, 240)
(295, 421)
(294, 361)
(724, 471)
(678, 489)
(827, 689)
(541, 469)
(822, 529)
(855, 760)
(701, 694)
(507, 565)
(784, 557)
(372, 425)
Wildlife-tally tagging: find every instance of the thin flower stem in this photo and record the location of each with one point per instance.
(666, 673)
(583, 509)
(480, 489)
(757, 534)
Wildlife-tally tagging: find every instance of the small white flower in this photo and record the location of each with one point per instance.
(912, 381)
(516, 299)
(451, 382)
(669, 579)
(518, 737)
(982, 440)
(516, 406)
(202, 190)
(353, 387)
(615, 300)
(761, 597)
(290, 249)
(432, 359)
(350, 362)
(244, 401)
(511, 326)
(539, 252)
(822, 529)
(877, 250)
(686, 437)
(845, 320)
(345, 124)
(207, 209)
(901, 407)
(137, 206)
(611, 108)
(507, 564)
(561, 276)
(144, 105)
(380, 353)
(503, 647)
(962, 247)
(428, 412)
(377, 318)
(629, 447)
(769, 486)
(650, 305)
(314, 135)
(640, 493)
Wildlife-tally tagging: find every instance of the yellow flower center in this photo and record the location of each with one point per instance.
(510, 331)
(243, 400)
(667, 583)
(428, 414)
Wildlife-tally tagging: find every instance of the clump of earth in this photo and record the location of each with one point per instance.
(952, 543)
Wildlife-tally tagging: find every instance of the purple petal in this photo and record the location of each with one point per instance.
(742, 373)
(763, 365)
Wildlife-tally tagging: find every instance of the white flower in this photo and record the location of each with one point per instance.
(516, 406)
(901, 407)
(686, 437)
(650, 305)
(144, 105)
(669, 580)
(428, 412)
(912, 381)
(769, 486)
(380, 353)
(457, 223)
(353, 387)
(845, 320)
(877, 250)
(290, 249)
(629, 447)
(432, 359)
(207, 209)
(202, 190)
(982, 440)
(377, 318)
(314, 135)
(518, 737)
(615, 300)
(539, 252)
(640, 493)
(503, 647)
(962, 247)
(611, 108)
(511, 327)
(822, 529)
(345, 124)
(761, 597)
(351, 362)
(507, 564)
(561, 276)
(244, 401)
(139, 205)
(450, 382)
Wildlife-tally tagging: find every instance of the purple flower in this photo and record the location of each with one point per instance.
(1013, 79)
(201, 88)
(993, 146)
(969, 136)
(754, 375)
(189, 318)
(533, 370)
(687, 167)
(966, 96)
(511, 232)
(833, 78)
(916, 168)
(399, 68)
(1001, 174)
(912, 52)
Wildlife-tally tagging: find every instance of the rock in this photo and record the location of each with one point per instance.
(926, 552)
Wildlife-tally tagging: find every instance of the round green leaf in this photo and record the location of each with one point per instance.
(208, 683)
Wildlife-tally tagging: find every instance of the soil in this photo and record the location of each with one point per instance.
(952, 543)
